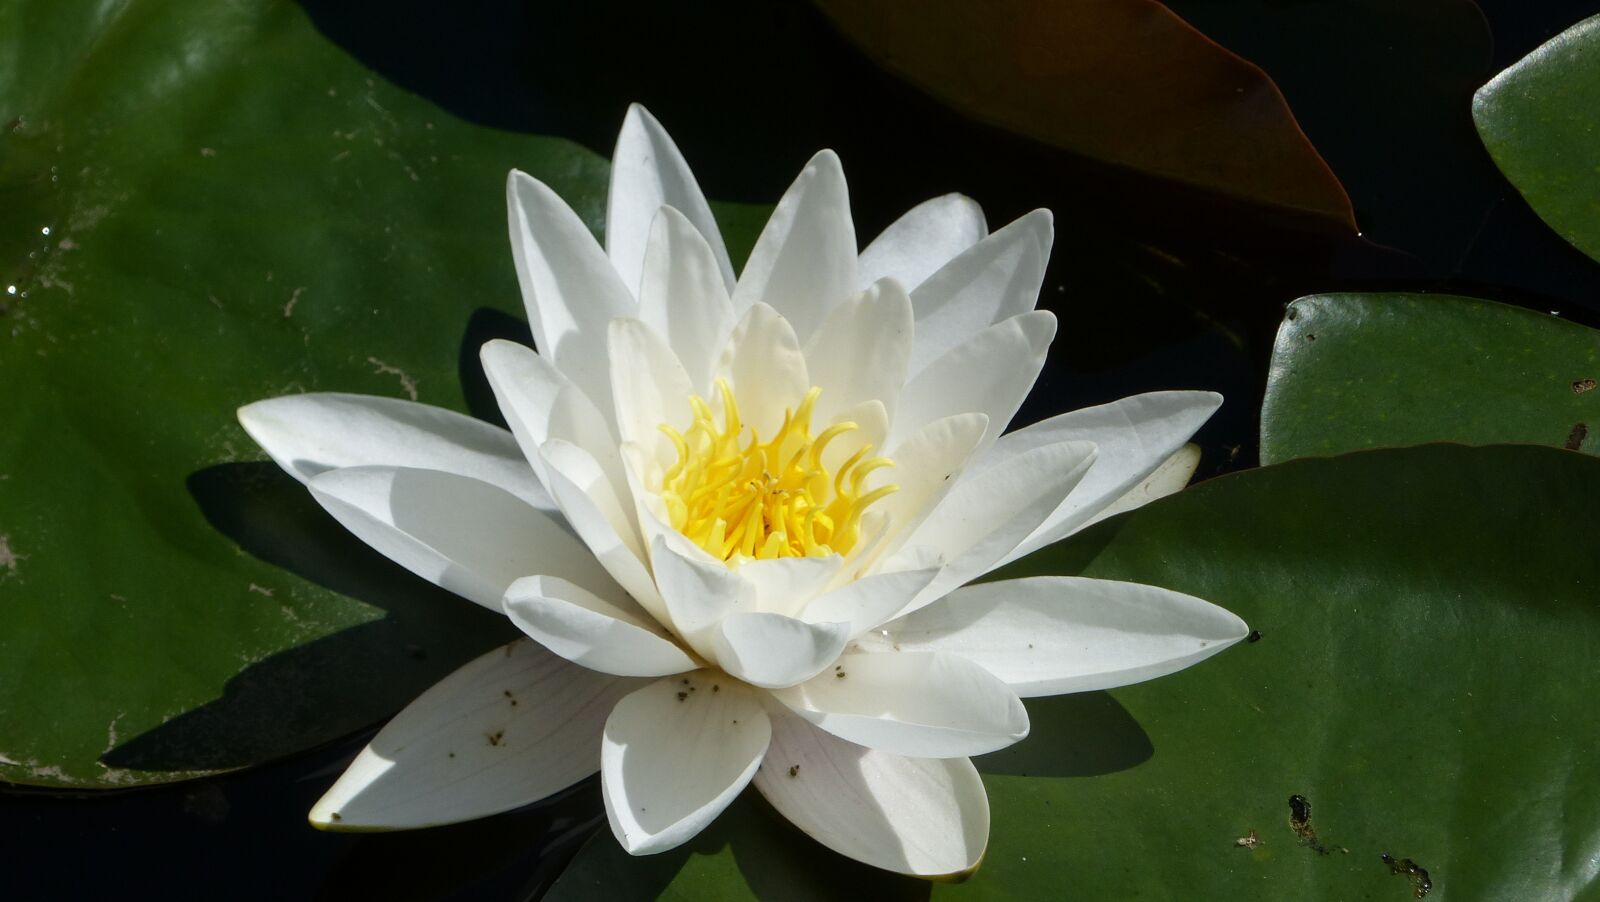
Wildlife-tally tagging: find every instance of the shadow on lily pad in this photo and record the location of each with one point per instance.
(1086, 734)
(331, 685)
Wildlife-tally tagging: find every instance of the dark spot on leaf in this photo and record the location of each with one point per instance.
(1255, 636)
(1310, 337)
(1579, 386)
(1580, 431)
(1421, 883)
(794, 770)
(682, 696)
(508, 693)
(336, 816)
(495, 737)
(715, 688)
(1300, 823)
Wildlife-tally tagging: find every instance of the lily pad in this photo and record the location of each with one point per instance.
(179, 236)
(1124, 82)
(1354, 371)
(1538, 121)
(1419, 699)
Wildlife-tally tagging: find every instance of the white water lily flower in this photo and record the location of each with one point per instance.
(735, 518)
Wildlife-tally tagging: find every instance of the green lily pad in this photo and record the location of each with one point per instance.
(1355, 371)
(182, 235)
(1538, 121)
(1423, 698)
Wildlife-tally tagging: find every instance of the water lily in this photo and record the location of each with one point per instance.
(736, 519)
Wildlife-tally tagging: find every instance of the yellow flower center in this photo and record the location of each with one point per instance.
(770, 499)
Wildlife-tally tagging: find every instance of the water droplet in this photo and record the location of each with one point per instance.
(45, 230)
(11, 289)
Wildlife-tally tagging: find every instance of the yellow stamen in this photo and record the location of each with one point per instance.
(771, 499)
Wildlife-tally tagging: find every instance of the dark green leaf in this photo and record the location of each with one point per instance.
(184, 236)
(1538, 120)
(1427, 700)
(1354, 371)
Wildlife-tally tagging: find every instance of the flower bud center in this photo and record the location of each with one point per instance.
(740, 498)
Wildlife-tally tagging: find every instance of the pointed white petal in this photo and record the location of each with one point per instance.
(1052, 634)
(458, 533)
(310, 434)
(927, 817)
(773, 651)
(592, 507)
(914, 246)
(992, 281)
(984, 517)
(918, 704)
(1170, 478)
(1134, 435)
(926, 467)
(991, 373)
(675, 754)
(765, 368)
(683, 296)
(539, 403)
(507, 729)
(860, 352)
(609, 635)
(570, 288)
(805, 260)
(866, 602)
(650, 385)
(647, 172)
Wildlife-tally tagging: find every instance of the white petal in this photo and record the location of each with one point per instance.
(647, 172)
(805, 260)
(984, 517)
(772, 651)
(539, 404)
(650, 385)
(860, 352)
(927, 817)
(991, 373)
(697, 592)
(785, 585)
(866, 602)
(458, 533)
(926, 467)
(918, 704)
(609, 635)
(507, 729)
(675, 754)
(914, 246)
(765, 368)
(596, 514)
(683, 296)
(1052, 634)
(1134, 435)
(1170, 478)
(992, 281)
(570, 288)
(310, 434)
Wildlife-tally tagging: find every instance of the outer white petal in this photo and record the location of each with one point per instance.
(860, 352)
(683, 296)
(805, 260)
(985, 517)
(650, 385)
(765, 368)
(918, 704)
(508, 728)
(914, 246)
(539, 404)
(927, 817)
(609, 635)
(992, 281)
(1171, 477)
(991, 372)
(596, 514)
(310, 434)
(675, 754)
(1134, 435)
(460, 534)
(1052, 634)
(647, 172)
(866, 602)
(570, 288)
(772, 651)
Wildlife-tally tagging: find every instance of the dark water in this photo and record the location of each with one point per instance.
(1154, 291)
